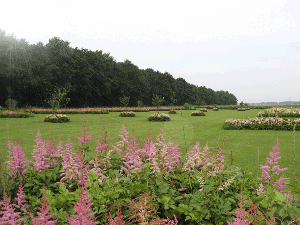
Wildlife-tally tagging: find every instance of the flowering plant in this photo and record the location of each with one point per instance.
(270, 123)
(159, 117)
(57, 118)
(280, 112)
(127, 114)
(215, 109)
(15, 114)
(241, 109)
(172, 111)
(197, 113)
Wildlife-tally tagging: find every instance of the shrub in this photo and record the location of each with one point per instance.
(197, 113)
(57, 118)
(172, 112)
(127, 114)
(159, 117)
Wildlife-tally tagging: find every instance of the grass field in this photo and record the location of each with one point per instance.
(249, 148)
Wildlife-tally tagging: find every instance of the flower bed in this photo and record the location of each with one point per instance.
(15, 114)
(136, 182)
(159, 117)
(203, 109)
(270, 123)
(215, 109)
(71, 111)
(172, 112)
(127, 114)
(280, 112)
(197, 113)
(57, 118)
(241, 109)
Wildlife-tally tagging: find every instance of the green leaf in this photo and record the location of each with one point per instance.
(279, 196)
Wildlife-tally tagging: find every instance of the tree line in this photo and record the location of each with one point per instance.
(29, 73)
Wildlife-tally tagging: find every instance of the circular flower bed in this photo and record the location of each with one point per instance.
(172, 112)
(57, 118)
(159, 117)
(241, 109)
(127, 114)
(215, 109)
(198, 113)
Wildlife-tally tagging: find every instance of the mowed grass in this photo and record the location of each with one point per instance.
(249, 148)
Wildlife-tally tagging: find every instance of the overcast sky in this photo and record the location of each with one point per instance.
(248, 48)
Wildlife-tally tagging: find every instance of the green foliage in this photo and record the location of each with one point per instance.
(139, 103)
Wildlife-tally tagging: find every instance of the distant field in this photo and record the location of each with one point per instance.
(184, 130)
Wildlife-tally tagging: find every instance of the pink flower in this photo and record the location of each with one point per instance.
(9, 216)
(84, 138)
(43, 217)
(82, 208)
(18, 163)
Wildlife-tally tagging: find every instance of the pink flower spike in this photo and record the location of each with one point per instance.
(18, 163)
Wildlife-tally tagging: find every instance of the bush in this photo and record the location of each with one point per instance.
(57, 118)
(172, 112)
(159, 117)
(197, 113)
(127, 114)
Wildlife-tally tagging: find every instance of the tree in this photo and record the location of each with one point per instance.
(157, 101)
(58, 98)
(124, 101)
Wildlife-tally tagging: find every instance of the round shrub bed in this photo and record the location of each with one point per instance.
(57, 118)
(127, 114)
(172, 112)
(197, 113)
(159, 117)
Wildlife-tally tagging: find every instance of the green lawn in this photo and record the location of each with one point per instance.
(184, 130)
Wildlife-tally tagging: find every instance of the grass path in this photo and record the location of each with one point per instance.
(184, 130)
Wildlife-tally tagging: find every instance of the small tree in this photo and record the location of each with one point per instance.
(124, 101)
(58, 98)
(242, 104)
(173, 100)
(139, 103)
(157, 101)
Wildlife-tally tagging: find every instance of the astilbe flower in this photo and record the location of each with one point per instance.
(39, 153)
(122, 143)
(142, 210)
(74, 169)
(20, 202)
(117, 220)
(194, 158)
(84, 138)
(17, 163)
(266, 177)
(165, 159)
(9, 216)
(43, 218)
(82, 207)
(241, 213)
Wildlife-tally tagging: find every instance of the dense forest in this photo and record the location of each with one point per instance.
(30, 72)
